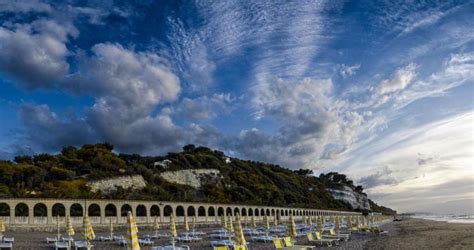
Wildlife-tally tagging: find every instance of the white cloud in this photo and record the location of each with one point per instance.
(348, 70)
(24, 6)
(398, 81)
(35, 54)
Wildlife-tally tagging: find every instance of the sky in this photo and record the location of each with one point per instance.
(381, 91)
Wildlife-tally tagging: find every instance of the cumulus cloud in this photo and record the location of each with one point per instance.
(399, 80)
(204, 107)
(34, 55)
(24, 6)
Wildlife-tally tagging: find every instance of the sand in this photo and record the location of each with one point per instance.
(407, 234)
(425, 234)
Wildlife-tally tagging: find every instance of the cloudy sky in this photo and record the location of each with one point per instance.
(379, 90)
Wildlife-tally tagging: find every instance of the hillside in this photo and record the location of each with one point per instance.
(209, 175)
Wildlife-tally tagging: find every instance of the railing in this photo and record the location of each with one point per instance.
(21, 219)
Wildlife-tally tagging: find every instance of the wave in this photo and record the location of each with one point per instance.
(446, 218)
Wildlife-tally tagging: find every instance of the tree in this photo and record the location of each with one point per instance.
(189, 148)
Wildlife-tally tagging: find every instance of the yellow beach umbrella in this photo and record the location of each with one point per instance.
(239, 234)
(292, 227)
(337, 223)
(266, 224)
(111, 227)
(310, 221)
(275, 220)
(58, 228)
(194, 222)
(224, 222)
(230, 226)
(88, 230)
(156, 224)
(185, 224)
(254, 223)
(320, 223)
(132, 232)
(2, 228)
(173, 231)
(69, 227)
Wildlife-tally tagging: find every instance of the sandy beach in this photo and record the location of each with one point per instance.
(425, 234)
(406, 234)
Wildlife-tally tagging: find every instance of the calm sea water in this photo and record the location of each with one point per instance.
(448, 218)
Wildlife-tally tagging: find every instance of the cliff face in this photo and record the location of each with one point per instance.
(348, 195)
(109, 185)
(192, 177)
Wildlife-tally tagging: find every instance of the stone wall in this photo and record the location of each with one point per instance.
(192, 177)
(111, 184)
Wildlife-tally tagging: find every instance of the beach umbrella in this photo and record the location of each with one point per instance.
(320, 223)
(111, 227)
(275, 220)
(58, 227)
(224, 222)
(194, 222)
(239, 233)
(310, 221)
(254, 223)
(173, 231)
(2, 228)
(230, 226)
(69, 227)
(156, 225)
(185, 224)
(266, 223)
(292, 227)
(88, 230)
(132, 232)
(337, 223)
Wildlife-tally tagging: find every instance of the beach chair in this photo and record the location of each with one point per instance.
(240, 247)
(82, 245)
(61, 245)
(6, 245)
(279, 244)
(51, 240)
(289, 243)
(343, 236)
(319, 240)
(222, 248)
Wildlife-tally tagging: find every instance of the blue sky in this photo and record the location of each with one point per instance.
(379, 90)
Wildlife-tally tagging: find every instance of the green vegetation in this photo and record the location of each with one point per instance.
(65, 175)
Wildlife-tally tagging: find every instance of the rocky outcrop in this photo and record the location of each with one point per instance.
(192, 177)
(135, 182)
(348, 195)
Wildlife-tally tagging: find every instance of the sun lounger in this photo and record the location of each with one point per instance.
(117, 237)
(61, 245)
(67, 239)
(319, 239)
(183, 247)
(9, 239)
(82, 245)
(222, 248)
(289, 243)
(51, 239)
(122, 242)
(145, 242)
(262, 238)
(6, 245)
(105, 238)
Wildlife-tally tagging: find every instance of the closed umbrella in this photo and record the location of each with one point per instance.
(2, 229)
(292, 227)
(173, 231)
(254, 223)
(69, 227)
(224, 222)
(186, 224)
(88, 230)
(133, 243)
(111, 227)
(320, 223)
(58, 228)
(239, 233)
(156, 226)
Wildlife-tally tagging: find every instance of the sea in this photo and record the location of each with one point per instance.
(447, 218)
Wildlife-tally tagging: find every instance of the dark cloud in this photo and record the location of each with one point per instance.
(381, 177)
